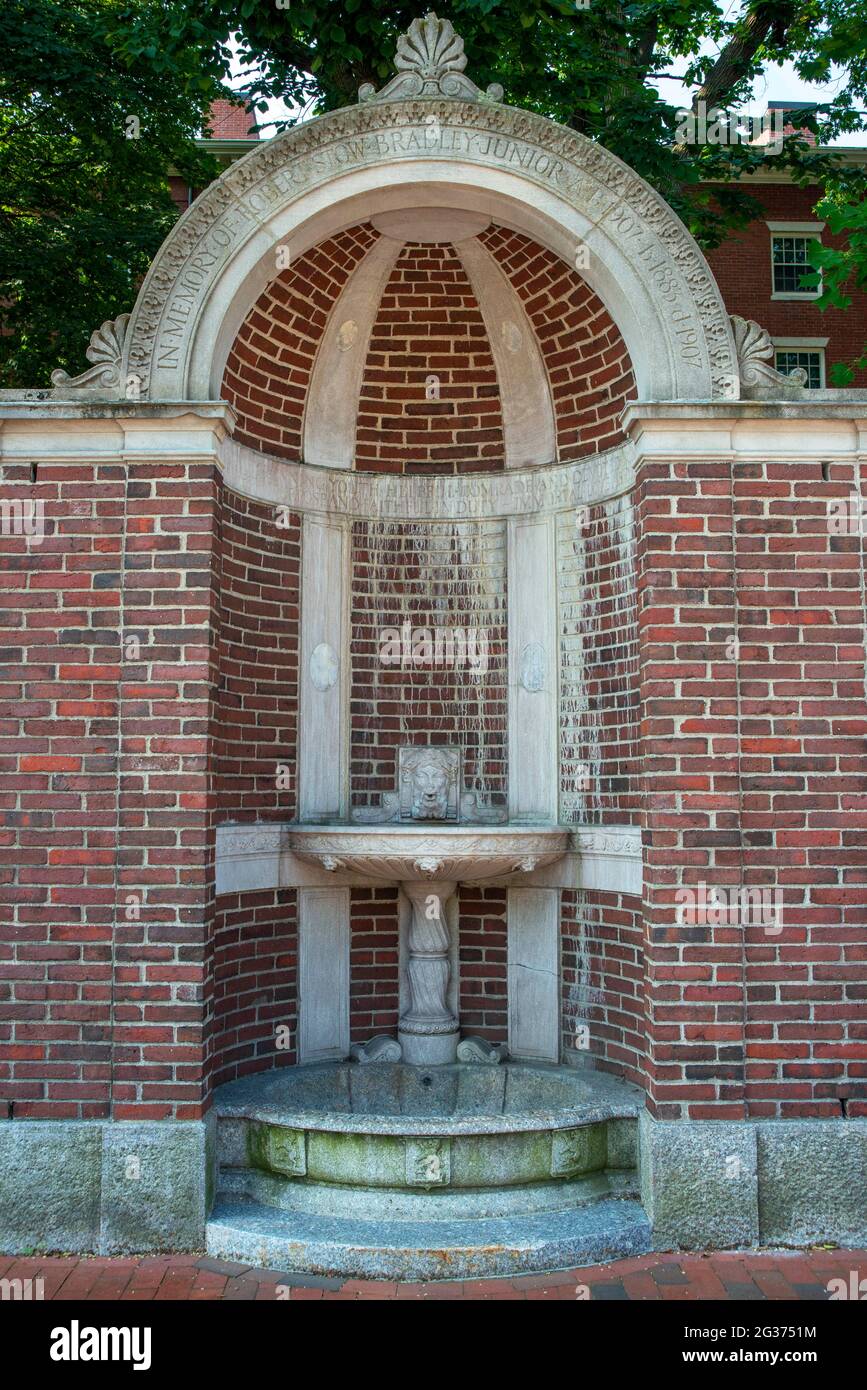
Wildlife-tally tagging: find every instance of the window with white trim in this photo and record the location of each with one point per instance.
(787, 359)
(790, 260)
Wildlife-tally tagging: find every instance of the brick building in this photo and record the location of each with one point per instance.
(437, 640)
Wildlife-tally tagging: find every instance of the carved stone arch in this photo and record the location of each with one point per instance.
(531, 174)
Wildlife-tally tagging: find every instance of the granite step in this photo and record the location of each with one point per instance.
(436, 1204)
(608, 1229)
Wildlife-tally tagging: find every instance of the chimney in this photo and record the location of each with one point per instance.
(231, 120)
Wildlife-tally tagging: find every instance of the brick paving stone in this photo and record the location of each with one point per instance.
(227, 1267)
(671, 1276)
(730, 1271)
(641, 1285)
(773, 1284)
(240, 1289)
(440, 1290)
(369, 1288)
(289, 1276)
(537, 1281)
(706, 1282)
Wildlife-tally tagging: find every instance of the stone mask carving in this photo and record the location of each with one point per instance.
(430, 778)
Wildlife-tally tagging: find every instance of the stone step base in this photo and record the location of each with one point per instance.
(301, 1242)
(444, 1204)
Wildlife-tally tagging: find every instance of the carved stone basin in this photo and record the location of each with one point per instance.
(428, 861)
(421, 853)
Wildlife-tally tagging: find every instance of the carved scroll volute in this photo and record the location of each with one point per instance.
(104, 378)
(755, 352)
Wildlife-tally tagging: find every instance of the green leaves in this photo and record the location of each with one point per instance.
(99, 103)
(843, 267)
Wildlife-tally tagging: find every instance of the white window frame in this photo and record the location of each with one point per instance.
(804, 345)
(800, 229)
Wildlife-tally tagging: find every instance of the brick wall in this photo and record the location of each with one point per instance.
(373, 962)
(694, 979)
(585, 356)
(256, 724)
(755, 773)
(602, 962)
(268, 369)
(742, 266)
(108, 855)
(252, 983)
(165, 841)
(431, 575)
(255, 965)
(375, 954)
(429, 323)
(483, 945)
(58, 798)
(599, 696)
(803, 720)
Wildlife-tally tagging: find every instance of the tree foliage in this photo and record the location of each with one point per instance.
(98, 100)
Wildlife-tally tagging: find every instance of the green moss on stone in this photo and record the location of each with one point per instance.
(276, 1149)
(500, 1160)
(366, 1160)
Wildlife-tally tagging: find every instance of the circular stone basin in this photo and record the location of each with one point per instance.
(393, 1125)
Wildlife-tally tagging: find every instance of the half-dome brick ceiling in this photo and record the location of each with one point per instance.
(429, 323)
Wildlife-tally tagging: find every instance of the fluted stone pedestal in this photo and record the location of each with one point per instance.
(428, 1032)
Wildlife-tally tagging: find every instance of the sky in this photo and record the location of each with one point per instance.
(779, 82)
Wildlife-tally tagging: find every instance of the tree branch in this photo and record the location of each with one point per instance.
(767, 17)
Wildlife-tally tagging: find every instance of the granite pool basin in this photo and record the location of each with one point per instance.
(398, 1126)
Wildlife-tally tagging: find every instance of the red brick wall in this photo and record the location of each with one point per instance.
(256, 723)
(58, 808)
(585, 356)
(375, 953)
(599, 695)
(803, 720)
(755, 773)
(252, 987)
(483, 945)
(373, 962)
(742, 266)
(107, 848)
(432, 575)
(603, 981)
(429, 322)
(694, 976)
(255, 964)
(268, 369)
